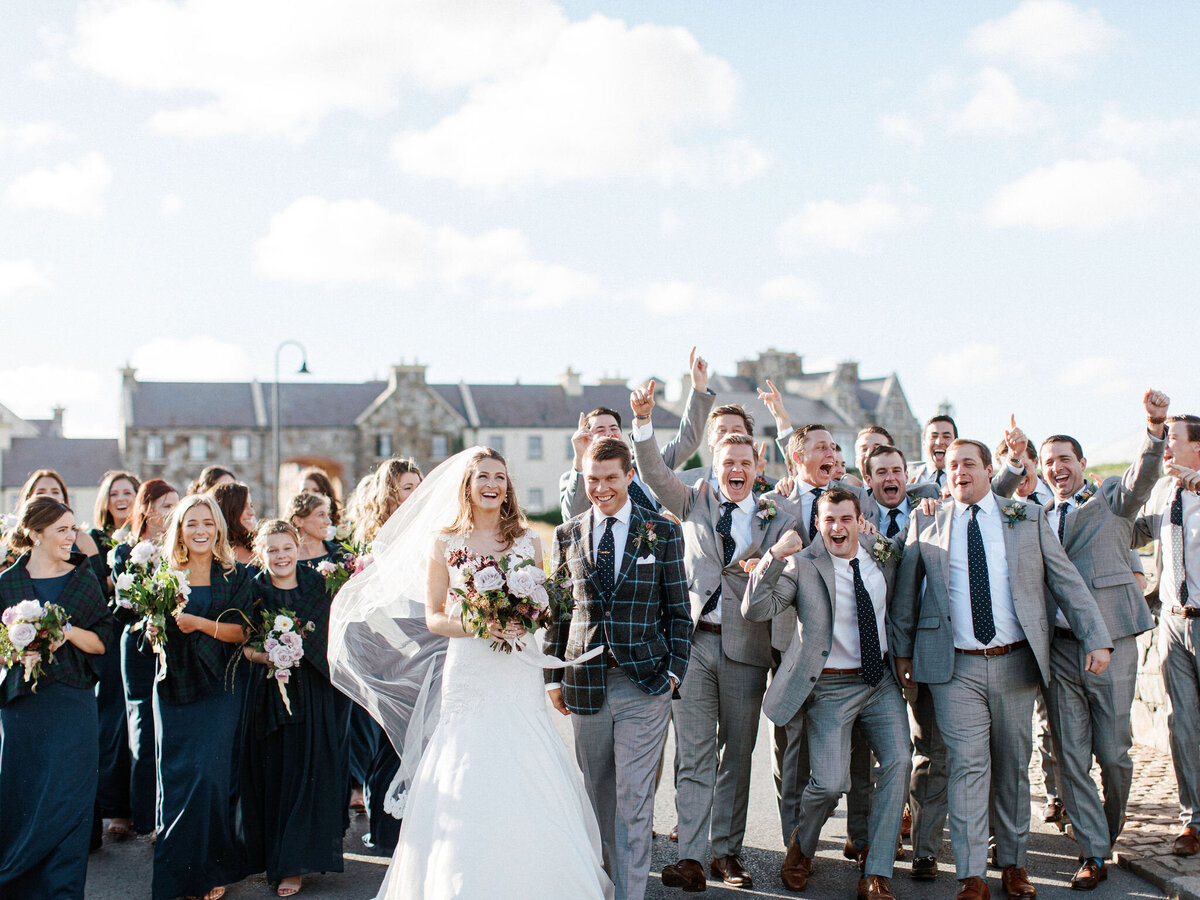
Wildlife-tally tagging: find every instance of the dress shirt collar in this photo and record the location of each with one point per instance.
(987, 505)
(747, 505)
(803, 487)
(862, 556)
(622, 515)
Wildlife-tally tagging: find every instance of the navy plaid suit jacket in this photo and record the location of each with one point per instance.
(645, 623)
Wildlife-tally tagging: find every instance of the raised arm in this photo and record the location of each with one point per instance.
(773, 400)
(695, 415)
(1009, 477)
(653, 469)
(773, 584)
(1130, 494)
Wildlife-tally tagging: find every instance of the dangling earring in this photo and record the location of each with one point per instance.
(37, 543)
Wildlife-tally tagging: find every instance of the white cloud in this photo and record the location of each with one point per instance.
(318, 241)
(73, 188)
(798, 293)
(20, 276)
(1050, 37)
(670, 298)
(199, 358)
(33, 136)
(830, 225)
(90, 398)
(971, 364)
(901, 127)
(1081, 194)
(607, 100)
(997, 108)
(171, 205)
(1117, 133)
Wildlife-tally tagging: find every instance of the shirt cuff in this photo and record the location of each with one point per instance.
(671, 674)
(556, 685)
(785, 434)
(1019, 470)
(1157, 440)
(642, 432)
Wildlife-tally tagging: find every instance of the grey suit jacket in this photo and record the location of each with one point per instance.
(873, 512)
(1146, 528)
(1098, 535)
(801, 587)
(1037, 564)
(698, 508)
(572, 498)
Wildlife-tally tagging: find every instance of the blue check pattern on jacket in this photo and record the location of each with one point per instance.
(645, 623)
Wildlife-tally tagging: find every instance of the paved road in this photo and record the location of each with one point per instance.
(122, 871)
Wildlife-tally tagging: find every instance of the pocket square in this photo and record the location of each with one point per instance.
(645, 560)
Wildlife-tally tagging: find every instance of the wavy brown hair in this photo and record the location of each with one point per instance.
(232, 499)
(37, 514)
(382, 497)
(148, 494)
(209, 476)
(32, 480)
(101, 516)
(513, 523)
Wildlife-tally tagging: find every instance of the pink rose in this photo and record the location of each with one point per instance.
(326, 567)
(22, 634)
(9, 616)
(539, 596)
(521, 582)
(488, 579)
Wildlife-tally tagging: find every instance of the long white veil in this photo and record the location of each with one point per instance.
(381, 654)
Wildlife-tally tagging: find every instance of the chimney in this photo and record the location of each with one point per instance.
(406, 376)
(569, 382)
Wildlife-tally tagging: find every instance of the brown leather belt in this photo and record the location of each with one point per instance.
(1064, 634)
(849, 671)
(1187, 612)
(709, 627)
(994, 651)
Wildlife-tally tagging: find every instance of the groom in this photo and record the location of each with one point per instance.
(630, 592)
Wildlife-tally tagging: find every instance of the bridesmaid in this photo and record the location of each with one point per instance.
(309, 515)
(391, 485)
(151, 511)
(198, 715)
(48, 483)
(295, 766)
(210, 477)
(314, 481)
(114, 505)
(233, 498)
(49, 750)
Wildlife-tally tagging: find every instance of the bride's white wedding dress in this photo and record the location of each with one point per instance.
(497, 808)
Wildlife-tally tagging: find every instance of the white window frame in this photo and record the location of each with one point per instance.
(240, 448)
(194, 444)
(156, 448)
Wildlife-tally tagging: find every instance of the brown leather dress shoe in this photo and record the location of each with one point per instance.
(1089, 875)
(796, 868)
(849, 850)
(730, 870)
(1188, 843)
(973, 888)
(875, 887)
(687, 874)
(675, 833)
(906, 823)
(1017, 884)
(924, 868)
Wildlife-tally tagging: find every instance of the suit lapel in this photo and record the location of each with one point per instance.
(583, 542)
(825, 566)
(1012, 543)
(942, 519)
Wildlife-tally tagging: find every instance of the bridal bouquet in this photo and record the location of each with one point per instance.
(506, 591)
(356, 558)
(27, 632)
(282, 639)
(152, 591)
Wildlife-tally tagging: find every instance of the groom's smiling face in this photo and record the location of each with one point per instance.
(607, 484)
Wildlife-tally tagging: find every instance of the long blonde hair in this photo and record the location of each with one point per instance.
(513, 523)
(173, 548)
(382, 497)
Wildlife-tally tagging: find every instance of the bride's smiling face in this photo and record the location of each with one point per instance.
(489, 485)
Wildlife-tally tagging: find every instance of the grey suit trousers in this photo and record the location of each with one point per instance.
(837, 703)
(716, 725)
(1089, 714)
(1181, 676)
(618, 749)
(1045, 743)
(984, 713)
(927, 791)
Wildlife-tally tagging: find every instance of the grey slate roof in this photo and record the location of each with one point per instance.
(549, 406)
(175, 404)
(80, 461)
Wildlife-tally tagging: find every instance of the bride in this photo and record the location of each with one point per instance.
(494, 806)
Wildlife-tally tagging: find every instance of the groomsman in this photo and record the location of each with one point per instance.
(729, 418)
(605, 422)
(871, 436)
(1172, 517)
(1031, 489)
(970, 619)
(630, 591)
(716, 715)
(1089, 712)
(835, 676)
(893, 498)
(941, 431)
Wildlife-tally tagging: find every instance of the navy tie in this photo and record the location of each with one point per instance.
(725, 530)
(982, 620)
(605, 552)
(893, 528)
(1177, 561)
(812, 513)
(1062, 521)
(1035, 498)
(868, 630)
(638, 496)
(938, 476)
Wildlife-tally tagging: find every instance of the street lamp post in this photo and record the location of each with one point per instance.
(303, 370)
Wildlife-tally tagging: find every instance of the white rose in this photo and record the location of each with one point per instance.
(282, 623)
(331, 533)
(142, 553)
(521, 582)
(21, 634)
(343, 531)
(325, 567)
(29, 610)
(111, 559)
(124, 581)
(488, 579)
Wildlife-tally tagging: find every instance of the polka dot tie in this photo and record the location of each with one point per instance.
(1063, 508)
(812, 513)
(725, 530)
(982, 621)
(1177, 561)
(638, 496)
(868, 630)
(1035, 498)
(605, 552)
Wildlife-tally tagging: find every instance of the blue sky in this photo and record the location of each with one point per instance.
(995, 200)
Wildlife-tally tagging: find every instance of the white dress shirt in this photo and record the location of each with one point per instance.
(620, 532)
(991, 527)
(805, 490)
(846, 651)
(1191, 547)
(1045, 495)
(741, 528)
(904, 513)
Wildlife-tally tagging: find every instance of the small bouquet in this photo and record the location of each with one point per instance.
(508, 590)
(28, 631)
(282, 639)
(356, 558)
(153, 591)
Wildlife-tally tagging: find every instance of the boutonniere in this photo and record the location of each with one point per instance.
(761, 485)
(767, 510)
(1086, 493)
(1014, 513)
(884, 551)
(646, 535)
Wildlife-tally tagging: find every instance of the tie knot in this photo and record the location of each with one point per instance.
(610, 522)
(817, 492)
(854, 564)
(974, 507)
(893, 514)
(1063, 507)
(728, 505)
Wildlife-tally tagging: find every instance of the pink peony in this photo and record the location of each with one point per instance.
(488, 579)
(540, 597)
